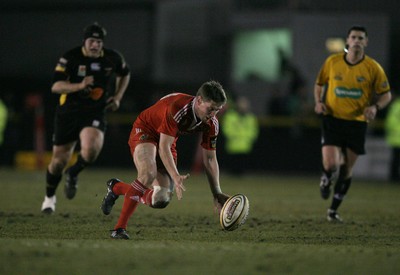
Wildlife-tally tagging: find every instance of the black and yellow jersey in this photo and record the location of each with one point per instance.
(74, 65)
(349, 88)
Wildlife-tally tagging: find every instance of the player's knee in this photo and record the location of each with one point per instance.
(58, 165)
(161, 197)
(332, 167)
(91, 155)
(147, 178)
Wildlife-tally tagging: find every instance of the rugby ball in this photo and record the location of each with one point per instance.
(234, 212)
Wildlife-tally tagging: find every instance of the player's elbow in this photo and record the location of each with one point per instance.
(56, 88)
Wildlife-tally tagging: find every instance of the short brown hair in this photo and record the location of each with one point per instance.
(212, 91)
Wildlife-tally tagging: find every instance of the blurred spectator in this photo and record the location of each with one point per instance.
(3, 124)
(297, 101)
(240, 128)
(392, 131)
(295, 84)
(12, 132)
(277, 104)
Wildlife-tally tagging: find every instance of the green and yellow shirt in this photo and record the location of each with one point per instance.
(349, 88)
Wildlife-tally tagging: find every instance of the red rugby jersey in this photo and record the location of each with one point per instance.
(174, 115)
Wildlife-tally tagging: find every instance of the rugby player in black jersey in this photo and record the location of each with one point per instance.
(82, 78)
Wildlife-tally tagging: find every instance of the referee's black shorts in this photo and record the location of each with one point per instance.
(68, 125)
(344, 133)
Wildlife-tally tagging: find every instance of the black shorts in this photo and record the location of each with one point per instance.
(68, 125)
(344, 133)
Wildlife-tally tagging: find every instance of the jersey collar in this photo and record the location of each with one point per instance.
(351, 64)
(197, 121)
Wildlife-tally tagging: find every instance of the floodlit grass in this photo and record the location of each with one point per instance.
(286, 232)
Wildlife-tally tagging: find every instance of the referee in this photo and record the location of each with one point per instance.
(350, 89)
(82, 77)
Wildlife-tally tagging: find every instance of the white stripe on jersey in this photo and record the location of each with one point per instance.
(182, 112)
(216, 125)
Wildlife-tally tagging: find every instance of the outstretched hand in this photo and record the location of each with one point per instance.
(179, 187)
(112, 104)
(219, 200)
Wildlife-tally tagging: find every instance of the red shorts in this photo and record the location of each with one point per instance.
(139, 136)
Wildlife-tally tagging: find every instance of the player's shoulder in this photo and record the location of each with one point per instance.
(177, 102)
(177, 97)
(371, 61)
(71, 56)
(112, 53)
(336, 57)
(74, 52)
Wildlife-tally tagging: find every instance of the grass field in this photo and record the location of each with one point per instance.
(286, 232)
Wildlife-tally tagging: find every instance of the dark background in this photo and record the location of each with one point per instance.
(175, 46)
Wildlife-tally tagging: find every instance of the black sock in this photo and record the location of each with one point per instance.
(341, 188)
(52, 182)
(328, 174)
(335, 203)
(79, 165)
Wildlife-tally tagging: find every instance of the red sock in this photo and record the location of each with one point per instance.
(131, 201)
(146, 199)
(120, 188)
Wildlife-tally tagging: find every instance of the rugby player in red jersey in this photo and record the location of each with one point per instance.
(153, 147)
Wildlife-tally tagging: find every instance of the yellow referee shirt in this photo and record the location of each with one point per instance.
(350, 88)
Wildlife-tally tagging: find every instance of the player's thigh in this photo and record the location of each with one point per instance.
(144, 157)
(332, 156)
(351, 160)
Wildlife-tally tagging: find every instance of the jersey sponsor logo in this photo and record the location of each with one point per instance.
(95, 66)
(360, 79)
(96, 93)
(338, 77)
(138, 130)
(82, 70)
(350, 93)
